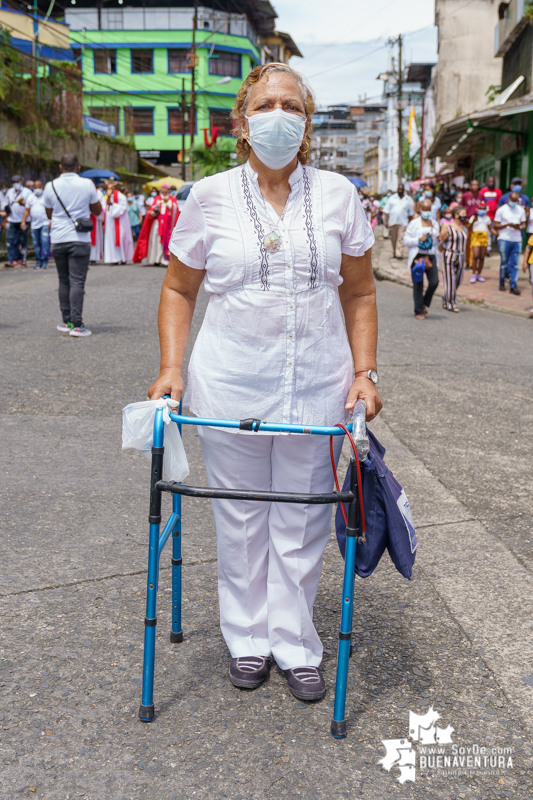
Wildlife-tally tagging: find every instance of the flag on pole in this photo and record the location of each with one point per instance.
(413, 135)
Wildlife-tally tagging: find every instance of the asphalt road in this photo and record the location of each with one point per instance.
(458, 425)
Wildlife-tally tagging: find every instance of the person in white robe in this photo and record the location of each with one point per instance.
(118, 238)
(97, 233)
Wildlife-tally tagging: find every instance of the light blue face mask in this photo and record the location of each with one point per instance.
(513, 203)
(425, 214)
(276, 137)
(428, 194)
(481, 212)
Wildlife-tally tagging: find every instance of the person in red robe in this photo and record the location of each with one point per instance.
(158, 224)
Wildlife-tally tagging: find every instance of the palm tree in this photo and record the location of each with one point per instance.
(218, 158)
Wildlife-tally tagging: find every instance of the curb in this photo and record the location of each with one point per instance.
(384, 275)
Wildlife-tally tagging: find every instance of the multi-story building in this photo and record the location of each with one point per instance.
(371, 169)
(415, 78)
(138, 61)
(342, 134)
(496, 136)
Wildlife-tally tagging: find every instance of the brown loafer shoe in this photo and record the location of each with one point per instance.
(249, 672)
(306, 683)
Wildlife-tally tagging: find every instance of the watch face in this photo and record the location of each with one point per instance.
(373, 375)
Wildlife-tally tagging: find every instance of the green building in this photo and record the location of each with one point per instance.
(136, 61)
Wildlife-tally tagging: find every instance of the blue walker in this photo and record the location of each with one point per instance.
(173, 528)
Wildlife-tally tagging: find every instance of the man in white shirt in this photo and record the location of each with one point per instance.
(35, 211)
(67, 199)
(141, 202)
(509, 222)
(16, 237)
(397, 213)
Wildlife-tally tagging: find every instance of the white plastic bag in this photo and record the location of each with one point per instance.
(138, 434)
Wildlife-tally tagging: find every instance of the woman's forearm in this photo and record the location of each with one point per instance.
(361, 317)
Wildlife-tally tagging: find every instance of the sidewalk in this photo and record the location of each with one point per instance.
(487, 294)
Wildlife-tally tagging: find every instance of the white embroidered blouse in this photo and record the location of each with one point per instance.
(273, 343)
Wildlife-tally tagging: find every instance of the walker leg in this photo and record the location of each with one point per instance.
(146, 711)
(338, 724)
(176, 634)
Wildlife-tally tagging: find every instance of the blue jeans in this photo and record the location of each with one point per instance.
(509, 252)
(41, 243)
(17, 242)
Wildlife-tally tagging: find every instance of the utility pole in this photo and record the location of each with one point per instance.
(400, 110)
(193, 66)
(183, 116)
(36, 54)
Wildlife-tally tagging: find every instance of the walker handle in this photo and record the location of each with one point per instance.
(359, 430)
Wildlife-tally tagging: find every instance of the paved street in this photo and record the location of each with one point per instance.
(458, 426)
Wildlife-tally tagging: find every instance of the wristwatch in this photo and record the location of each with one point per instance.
(371, 374)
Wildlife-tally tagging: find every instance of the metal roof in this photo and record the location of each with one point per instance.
(463, 136)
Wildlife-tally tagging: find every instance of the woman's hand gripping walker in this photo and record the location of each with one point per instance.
(356, 431)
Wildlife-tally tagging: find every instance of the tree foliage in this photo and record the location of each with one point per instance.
(211, 160)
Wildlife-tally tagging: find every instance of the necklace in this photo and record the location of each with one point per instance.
(272, 240)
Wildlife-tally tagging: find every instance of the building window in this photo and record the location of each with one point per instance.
(106, 114)
(143, 120)
(142, 60)
(220, 117)
(177, 61)
(342, 140)
(342, 154)
(115, 20)
(105, 61)
(175, 121)
(222, 63)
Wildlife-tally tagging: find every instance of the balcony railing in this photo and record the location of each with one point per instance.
(510, 27)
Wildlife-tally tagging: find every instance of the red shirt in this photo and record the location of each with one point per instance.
(471, 203)
(491, 197)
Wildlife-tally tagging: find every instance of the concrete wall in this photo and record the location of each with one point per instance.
(37, 153)
(467, 66)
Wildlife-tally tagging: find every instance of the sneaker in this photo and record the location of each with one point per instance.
(473, 279)
(515, 290)
(502, 286)
(81, 331)
(37, 266)
(481, 278)
(249, 672)
(65, 327)
(306, 683)
(8, 264)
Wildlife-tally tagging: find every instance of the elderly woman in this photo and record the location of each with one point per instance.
(284, 250)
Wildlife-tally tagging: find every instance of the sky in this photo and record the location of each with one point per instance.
(344, 42)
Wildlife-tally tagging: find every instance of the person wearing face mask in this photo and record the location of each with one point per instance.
(397, 214)
(509, 222)
(35, 211)
(429, 194)
(284, 250)
(490, 194)
(421, 237)
(516, 186)
(141, 202)
(479, 225)
(453, 239)
(16, 236)
(134, 215)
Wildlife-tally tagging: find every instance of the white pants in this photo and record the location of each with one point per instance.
(270, 554)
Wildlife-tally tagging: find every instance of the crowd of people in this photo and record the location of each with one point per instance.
(78, 222)
(454, 228)
(126, 218)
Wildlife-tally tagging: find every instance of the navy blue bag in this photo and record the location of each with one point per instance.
(389, 523)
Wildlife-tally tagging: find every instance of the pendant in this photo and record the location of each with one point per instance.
(272, 242)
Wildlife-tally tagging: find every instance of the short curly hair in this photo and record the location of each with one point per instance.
(241, 103)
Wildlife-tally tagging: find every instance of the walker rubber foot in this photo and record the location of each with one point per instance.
(176, 638)
(338, 728)
(146, 713)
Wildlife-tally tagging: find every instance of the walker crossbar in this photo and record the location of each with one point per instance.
(172, 528)
(246, 494)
